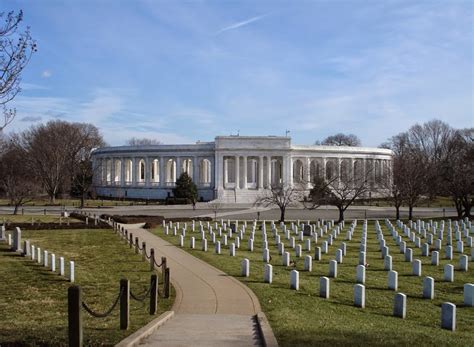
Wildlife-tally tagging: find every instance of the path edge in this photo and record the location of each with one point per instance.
(266, 331)
(147, 330)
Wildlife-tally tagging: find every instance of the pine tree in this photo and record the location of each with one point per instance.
(185, 188)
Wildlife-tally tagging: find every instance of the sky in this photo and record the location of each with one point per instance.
(186, 71)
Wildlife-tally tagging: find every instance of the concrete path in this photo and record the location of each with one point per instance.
(211, 308)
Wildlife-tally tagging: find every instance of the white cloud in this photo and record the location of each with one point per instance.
(46, 74)
(241, 23)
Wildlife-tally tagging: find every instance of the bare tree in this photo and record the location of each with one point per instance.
(281, 196)
(340, 191)
(16, 181)
(340, 139)
(134, 141)
(55, 150)
(16, 49)
(457, 171)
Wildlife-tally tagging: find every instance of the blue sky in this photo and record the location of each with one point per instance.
(182, 71)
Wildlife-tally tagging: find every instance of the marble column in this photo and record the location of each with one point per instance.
(112, 172)
(147, 172)
(323, 169)
(134, 171)
(269, 171)
(339, 161)
(308, 173)
(244, 183)
(196, 179)
(260, 172)
(237, 172)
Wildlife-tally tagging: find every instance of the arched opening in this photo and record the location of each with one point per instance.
(358, 172)
(171, 171)
(118, 171)
(252, 172)
(205, 172)
(277, 172)
(298, 171)
(141, 171)
(155, 171)
(345, 171)
(108, 171)
(128, 171)
(331, 170)
(229, 170)
(187, 166)
(315, 170)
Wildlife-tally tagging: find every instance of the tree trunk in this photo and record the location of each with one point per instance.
(282, 215)
(82, 200)
(341, 214)
(410, 212)
(15, 210)
(397, 208)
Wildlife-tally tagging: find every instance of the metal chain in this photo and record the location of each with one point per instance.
(142, 297)
(106, 313)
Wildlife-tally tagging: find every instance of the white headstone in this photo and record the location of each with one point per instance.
(416, 267)
(469, 294)
(218, 247)
(245, 267)
(268, 274)
(387, 263)
(298, 251)
(435, 258)
(308, 263)
(448, 316)
(324, 287)
(285, 259)
(393, 280)
(463, 262)
(61, 266)
(317, 253)
(362, 258)
(266, 255)
(294, 280)
(400, 305)
(332, 268)
(449, 273)
(359, 295)
(71, 272)
(53, 262)
(360, 274)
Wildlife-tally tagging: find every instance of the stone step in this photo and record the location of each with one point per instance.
(206, 330)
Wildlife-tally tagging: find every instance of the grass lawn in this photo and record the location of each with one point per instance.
(303, 318)
(33, 300)
(10, 218)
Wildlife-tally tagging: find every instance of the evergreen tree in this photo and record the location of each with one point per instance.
(185, 188)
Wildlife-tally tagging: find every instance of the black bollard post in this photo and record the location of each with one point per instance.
(144, 251)
(167, 282)
(131, 240)
(124, 304)
(153, 294)
(152, 259)
(137, 246)
(74, 303)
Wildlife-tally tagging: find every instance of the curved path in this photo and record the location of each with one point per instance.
(211, 308)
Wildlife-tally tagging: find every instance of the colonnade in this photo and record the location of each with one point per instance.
(153, 171)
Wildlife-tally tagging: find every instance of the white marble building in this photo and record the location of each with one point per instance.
(231, 169)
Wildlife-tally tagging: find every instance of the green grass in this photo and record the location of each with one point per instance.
(10, 218)
(33, 300)
(303, 318)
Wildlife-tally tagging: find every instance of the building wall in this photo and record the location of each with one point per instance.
(233, 168)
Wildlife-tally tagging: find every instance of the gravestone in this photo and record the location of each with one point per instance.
(317, 253)
(435, 258)
(339, 256)
(16, 240)
(268, 274)
(285, 259)
(387, 263)
(232, 249)
(245, 267)
(204, 245)
(250, 245)
(400, 305)
(469, 294)
(463, 262)
(360, 274)
(332, 268)
(393, 280)
(181, 240)
(192, 242)
(53, 262)
(449, 273)
(281, 248)
(362, 259)
(416, 267)
(449, 252)
(428, 288)
(409, 255)
(324, 287)
(72, 276)
(448, 316)
(308, 263)
(61, 266)
(307, 246)
(298, 251)
(218, 247)
(359, 295)
(294, 280)
(266, 255)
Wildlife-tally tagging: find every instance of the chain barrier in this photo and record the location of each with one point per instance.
(106, 313)
(142, 297)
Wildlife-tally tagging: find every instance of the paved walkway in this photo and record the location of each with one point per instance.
(211, 308)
